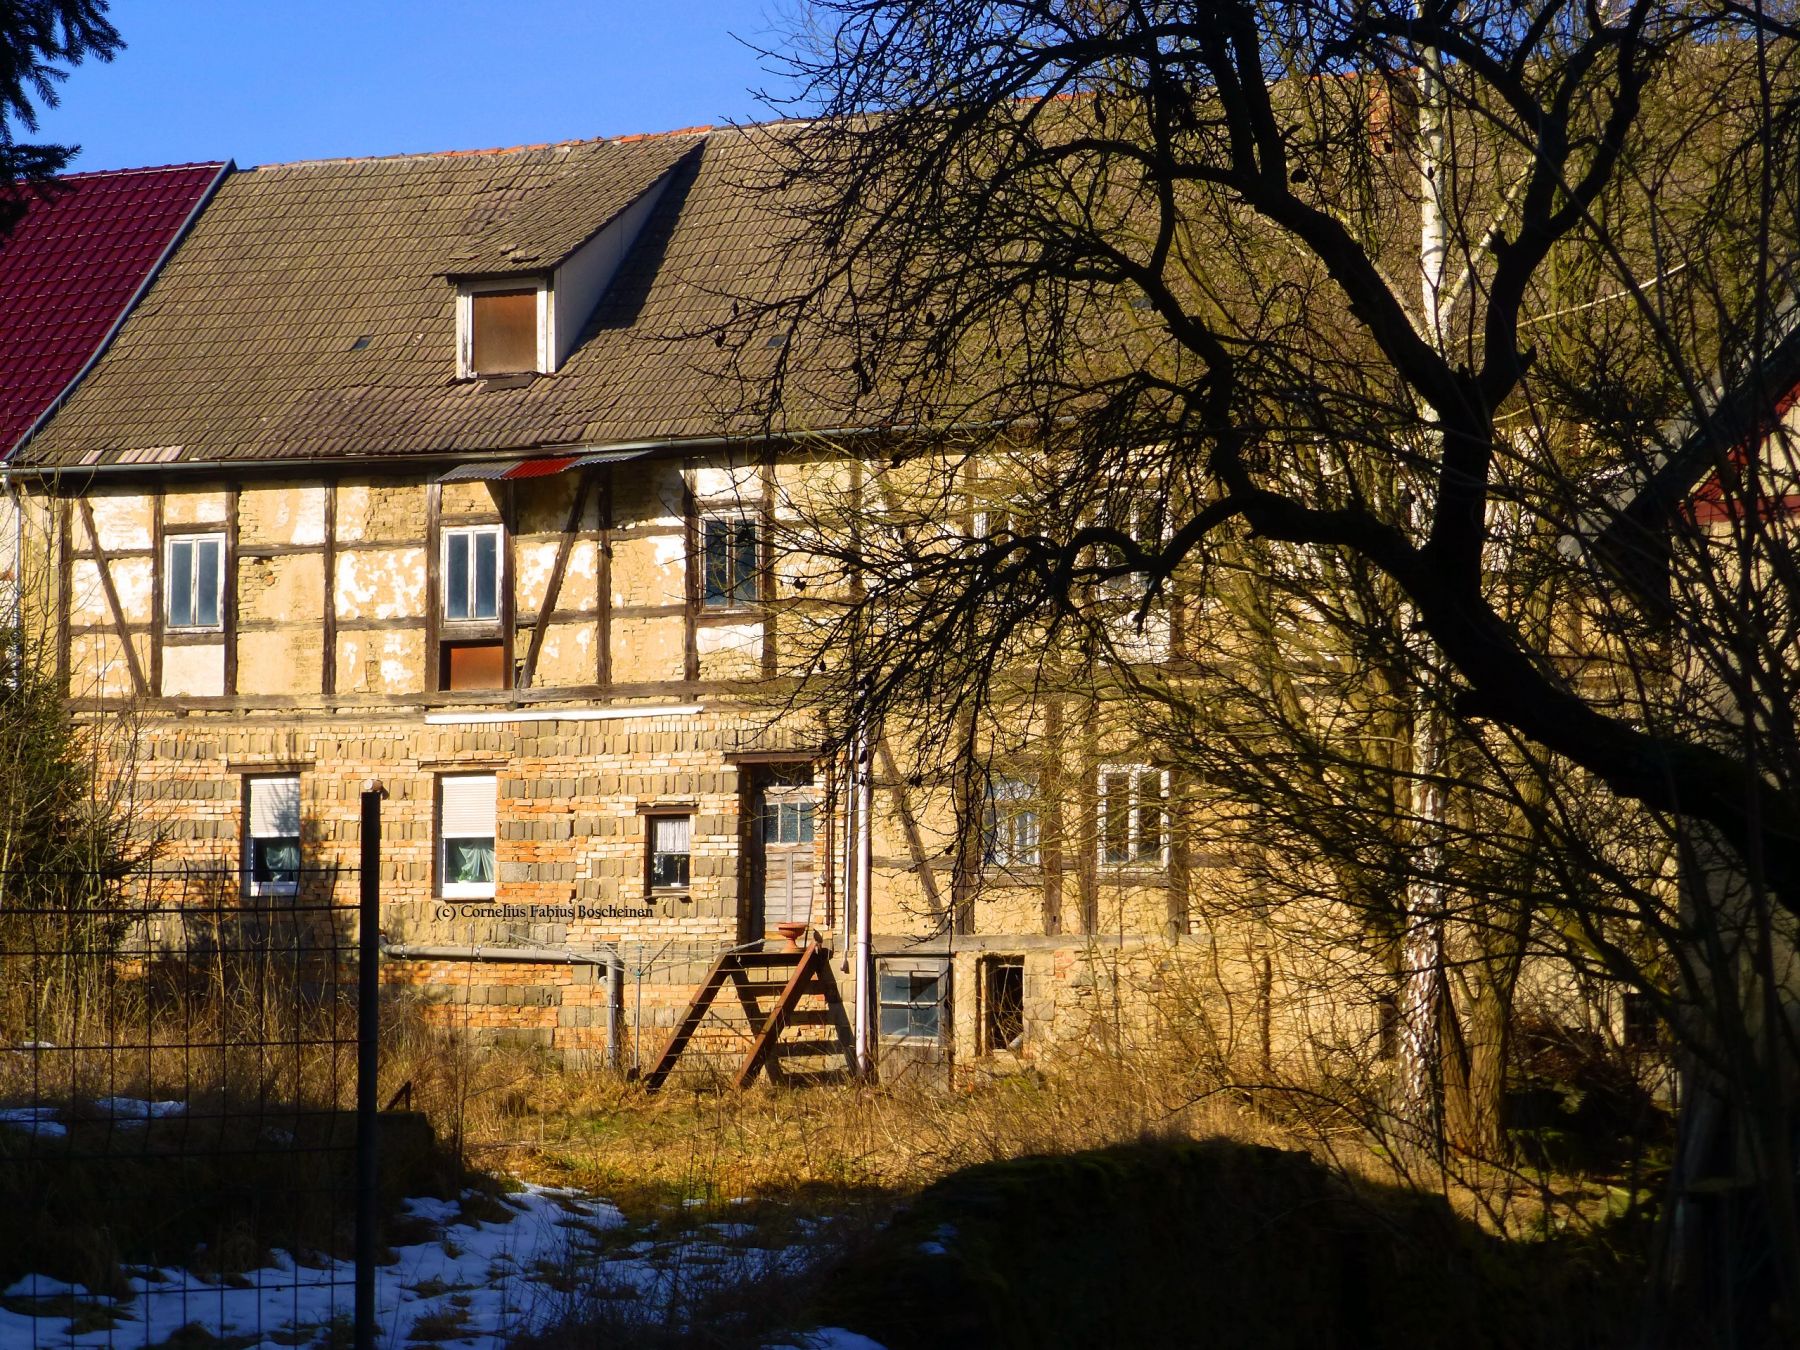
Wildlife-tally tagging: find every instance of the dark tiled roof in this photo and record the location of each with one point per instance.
(70, 268)
(247, 347)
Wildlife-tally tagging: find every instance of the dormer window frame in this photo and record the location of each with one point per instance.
(466, 291)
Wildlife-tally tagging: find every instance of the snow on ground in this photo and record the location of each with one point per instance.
(478, 1272)
(34, 1120)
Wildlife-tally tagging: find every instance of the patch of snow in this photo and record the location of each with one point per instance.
(34, 1120)
(473, 1285)
(938, 1243)
(829, 1338)
(135, 1109)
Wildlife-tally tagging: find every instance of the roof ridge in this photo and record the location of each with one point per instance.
(213, 164)
(628, 139)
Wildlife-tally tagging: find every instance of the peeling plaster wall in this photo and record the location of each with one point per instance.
(384, 583)
(380, 510)
(289, 513)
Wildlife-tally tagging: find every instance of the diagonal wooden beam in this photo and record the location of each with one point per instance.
(553, 588)
(909, 822)
(102, 566)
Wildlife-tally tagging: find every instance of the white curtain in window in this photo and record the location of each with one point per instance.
(672, 833)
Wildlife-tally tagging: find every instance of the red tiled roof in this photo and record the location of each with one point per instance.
(71, 267)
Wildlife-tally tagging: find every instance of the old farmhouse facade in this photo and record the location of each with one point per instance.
(414, 471)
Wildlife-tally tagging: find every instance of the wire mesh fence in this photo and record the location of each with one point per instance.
(178, 1108)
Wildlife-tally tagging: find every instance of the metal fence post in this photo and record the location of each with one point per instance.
(368, 1035)
(615, 1010)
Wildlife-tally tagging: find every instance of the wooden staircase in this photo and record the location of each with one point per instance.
(790, 976)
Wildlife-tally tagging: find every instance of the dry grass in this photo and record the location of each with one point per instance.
(694, 1147)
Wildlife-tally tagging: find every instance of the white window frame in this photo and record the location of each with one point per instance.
(1009, 800)
(652, 820)
(1127, 587)
(170, 544)
(251, 885)
(465, 325)
(1133, 829)
(464, 890)
(729, 601)
(471, 532)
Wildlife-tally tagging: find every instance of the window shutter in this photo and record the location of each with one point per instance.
(274, 808)
(467, 809)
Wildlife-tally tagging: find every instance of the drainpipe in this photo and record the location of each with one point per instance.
(865, 966)
(847, 910)
(613, 963)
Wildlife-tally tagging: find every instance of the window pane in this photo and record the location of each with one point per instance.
(181, 584)
(504, 341)
(1149, 816)
(803, 832)
(468, 861)
(746, 563)
(895, 987)
(718, 562)
(487, 575)
(669, 869)
(206, 582)
(1115, 805)
(896, 1020)
(456, 576)
(275, 860)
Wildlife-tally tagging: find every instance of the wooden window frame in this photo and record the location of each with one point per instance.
(472, 626)
(1023, 804)
(939, 973)
(465, 326)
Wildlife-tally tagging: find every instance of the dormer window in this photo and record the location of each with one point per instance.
(503, 329)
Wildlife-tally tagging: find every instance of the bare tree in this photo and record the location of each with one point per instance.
(1170, 250)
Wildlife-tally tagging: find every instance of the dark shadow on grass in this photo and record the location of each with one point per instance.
(1213, 1244)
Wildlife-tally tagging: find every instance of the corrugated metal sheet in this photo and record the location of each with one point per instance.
(491, 471)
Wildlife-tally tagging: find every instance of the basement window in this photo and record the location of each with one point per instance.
(503, 330)
(194, 576)
(466, 812)
(911, 1000)
(1002, 1003)
(272, 839)
(669, 844)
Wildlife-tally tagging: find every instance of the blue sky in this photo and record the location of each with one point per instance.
(261, 81)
